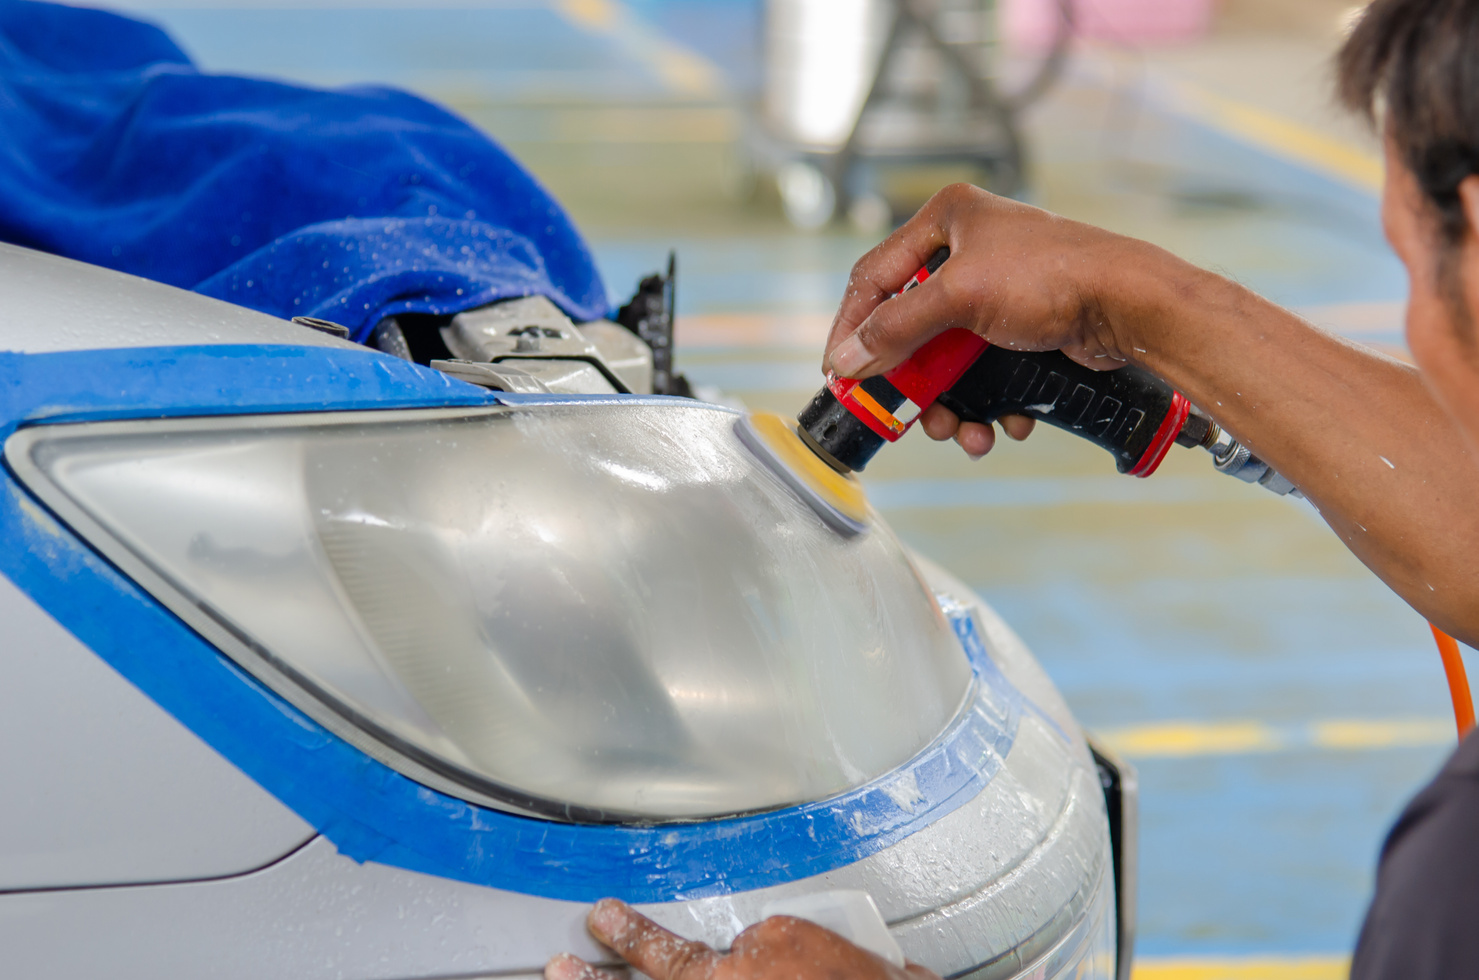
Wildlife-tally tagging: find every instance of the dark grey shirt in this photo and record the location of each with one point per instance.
(1423, 923)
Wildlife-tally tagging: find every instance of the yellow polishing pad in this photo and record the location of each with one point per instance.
(838, 498)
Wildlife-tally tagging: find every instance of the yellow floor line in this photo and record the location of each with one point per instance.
(642, 124)
(1283, 136)
(1177, 739)
(684, 71)
(1249, 968)
(1382, 734)
(1181, 738)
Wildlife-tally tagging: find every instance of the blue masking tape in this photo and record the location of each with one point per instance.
(368, 810)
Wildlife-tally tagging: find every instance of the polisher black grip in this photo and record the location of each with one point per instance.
(1121, 410)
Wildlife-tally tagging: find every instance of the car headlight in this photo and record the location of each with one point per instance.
(598, 612)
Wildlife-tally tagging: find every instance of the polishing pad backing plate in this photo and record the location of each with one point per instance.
(837, 498)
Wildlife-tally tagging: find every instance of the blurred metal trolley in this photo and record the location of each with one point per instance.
(852, 86)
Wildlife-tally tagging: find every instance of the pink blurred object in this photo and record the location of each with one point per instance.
(1032, 24)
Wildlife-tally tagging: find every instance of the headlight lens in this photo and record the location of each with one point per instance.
(603, 612)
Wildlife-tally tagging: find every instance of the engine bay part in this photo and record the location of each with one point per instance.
(532, 338)
(419, 581)
(532, 334)
(323, 326)
(651, 314)
(498, 377)
(389, 338)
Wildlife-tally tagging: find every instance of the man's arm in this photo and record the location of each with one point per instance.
(1358, 432)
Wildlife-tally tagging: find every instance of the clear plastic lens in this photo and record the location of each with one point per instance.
(613, 609)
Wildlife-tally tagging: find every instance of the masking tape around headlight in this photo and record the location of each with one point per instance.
(366, 809)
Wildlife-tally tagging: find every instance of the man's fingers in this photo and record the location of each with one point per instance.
(1018, 427)
(567, 967)
(895, 329)
(648, 946)
(939, 423)
(884, 270)
(976, 439)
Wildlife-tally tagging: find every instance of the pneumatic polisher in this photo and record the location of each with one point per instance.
(1130, 412)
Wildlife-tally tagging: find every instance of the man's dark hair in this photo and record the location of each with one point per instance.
(1421, 58)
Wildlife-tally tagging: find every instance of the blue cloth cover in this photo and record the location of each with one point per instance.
(350, 205)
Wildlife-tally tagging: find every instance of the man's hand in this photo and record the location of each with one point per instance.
(780, 948)
(1358, 432)
(1017, 275)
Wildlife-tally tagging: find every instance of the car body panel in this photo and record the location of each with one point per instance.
(105, 787)
(57, 304)
(983, 853)
(986, 865)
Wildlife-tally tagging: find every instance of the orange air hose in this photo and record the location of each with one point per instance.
(1458, 680)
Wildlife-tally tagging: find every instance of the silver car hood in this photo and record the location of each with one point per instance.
(56, 304)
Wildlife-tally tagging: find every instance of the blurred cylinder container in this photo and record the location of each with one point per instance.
(824, 57)
(821, 56)
(856, 90)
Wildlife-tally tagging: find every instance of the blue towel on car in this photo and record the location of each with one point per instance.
(349, 205)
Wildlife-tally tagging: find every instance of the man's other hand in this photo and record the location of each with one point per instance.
(780, 948)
